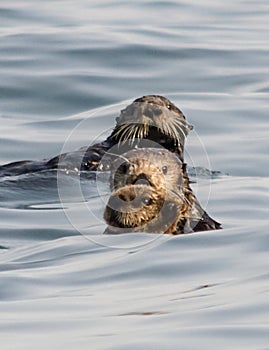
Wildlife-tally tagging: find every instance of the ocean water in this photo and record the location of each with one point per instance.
(66, 70)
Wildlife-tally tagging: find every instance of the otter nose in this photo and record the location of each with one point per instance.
(152, 110)
(127, 197)
(141, 179)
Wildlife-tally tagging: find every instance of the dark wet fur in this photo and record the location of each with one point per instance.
(84, 159)
(88, 158)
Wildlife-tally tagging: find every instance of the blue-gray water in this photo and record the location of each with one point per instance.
(61, 63)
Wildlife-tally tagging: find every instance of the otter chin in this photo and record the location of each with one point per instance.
(152, 118)
(162, 178)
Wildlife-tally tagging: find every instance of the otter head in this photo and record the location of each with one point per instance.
(150, 193)
(153, 118)
(158, 168)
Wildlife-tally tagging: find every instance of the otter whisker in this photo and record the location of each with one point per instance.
(179, 126)
(119, 129)
(128, 133)
(136, 133)
(121, 134)
(178, 121)
(141, 134)
(123, 137)
(140, 131)
(169, 126)
(167, 129)
(145, 130)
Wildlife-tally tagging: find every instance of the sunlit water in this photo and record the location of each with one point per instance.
(63, 289)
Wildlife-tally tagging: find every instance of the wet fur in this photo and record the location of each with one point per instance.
(150, 117)
(162, 173)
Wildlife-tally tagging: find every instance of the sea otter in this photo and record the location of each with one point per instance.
(150, 117)
(151, 193)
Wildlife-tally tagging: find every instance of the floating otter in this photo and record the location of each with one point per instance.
(149, 117)
(151, 193)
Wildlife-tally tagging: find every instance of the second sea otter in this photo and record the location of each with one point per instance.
(152, 118)
(151, 193)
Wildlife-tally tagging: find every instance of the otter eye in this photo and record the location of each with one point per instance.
(168, 106)
(146, 200)
(123, 168)
(164, 170)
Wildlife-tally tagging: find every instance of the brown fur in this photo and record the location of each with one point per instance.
(173, 208)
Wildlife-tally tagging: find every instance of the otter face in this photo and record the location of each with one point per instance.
(141, 208)
(153, 118)
(158, 168)
(148, 192)
(133, 206)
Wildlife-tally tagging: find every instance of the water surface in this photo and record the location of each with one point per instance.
(66, 69)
